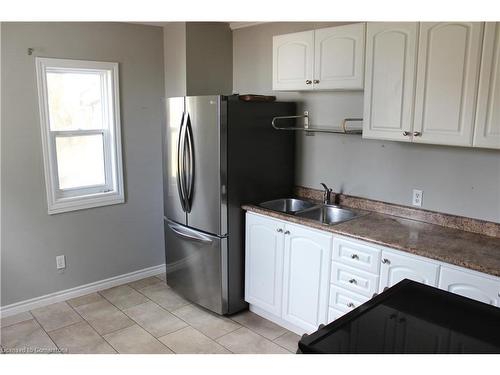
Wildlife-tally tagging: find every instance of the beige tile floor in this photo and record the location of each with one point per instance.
(145, 316)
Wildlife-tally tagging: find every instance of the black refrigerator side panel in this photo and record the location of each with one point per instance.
(261, 165)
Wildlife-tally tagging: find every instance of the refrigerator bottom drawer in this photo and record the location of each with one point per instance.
(196, 266)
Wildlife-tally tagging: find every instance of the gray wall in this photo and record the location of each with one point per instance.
(209, 58)
(461, 181)
(174, 48)
(100, 242)
(198, 58)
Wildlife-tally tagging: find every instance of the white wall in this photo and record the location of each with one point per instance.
(100, 242)
(461, 181)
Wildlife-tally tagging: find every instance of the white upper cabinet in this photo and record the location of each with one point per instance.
(339, 57)
(391, 56)
(264, 262)
(487, 129)
(293, 61)
(449, 56)
(396, 267)
(306, 277)
(323, 59)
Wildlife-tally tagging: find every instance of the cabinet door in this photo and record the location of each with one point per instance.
(339, 57)
(487, 127)
(264, 262)
(293, 56)
(397, 267)
(483, 289)
(391, 56)
(447, 74)
(306, 276)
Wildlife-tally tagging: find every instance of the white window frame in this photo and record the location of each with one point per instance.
(112, 192)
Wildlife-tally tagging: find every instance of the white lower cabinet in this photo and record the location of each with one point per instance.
(467, 284)
(301, 278)
(396, 267)
(306, 277)
(264, 262)
(287, 272)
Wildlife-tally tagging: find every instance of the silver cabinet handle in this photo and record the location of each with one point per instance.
(308, 81)
(406, 134)
(353, 281)
(354, 256)
(287, 232)
(417, 134)
(350, 304)
(316, 81)
(386, 261)
(279, 230)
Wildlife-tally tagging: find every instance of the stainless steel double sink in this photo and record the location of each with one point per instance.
(323, 213)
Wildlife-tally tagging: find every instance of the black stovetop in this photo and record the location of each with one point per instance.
(411, 318)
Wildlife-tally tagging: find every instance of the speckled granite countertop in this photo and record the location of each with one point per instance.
(465, 249)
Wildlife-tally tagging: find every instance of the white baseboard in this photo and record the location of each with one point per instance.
(78, 291)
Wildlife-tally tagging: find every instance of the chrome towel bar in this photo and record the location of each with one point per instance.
(306, 128)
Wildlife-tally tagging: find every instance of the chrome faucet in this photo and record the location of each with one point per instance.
(326, 194)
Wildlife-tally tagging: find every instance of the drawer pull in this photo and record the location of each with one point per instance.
(386, 261)
(279, 230)
(354, 256)
(353, 281)
(351, 305)
(287, 232)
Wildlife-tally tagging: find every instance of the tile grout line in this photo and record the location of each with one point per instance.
(91, 326)
(257, 333)
(132, 319)
(218, 337)
(172, 312)
(178, 317)
(43, 329)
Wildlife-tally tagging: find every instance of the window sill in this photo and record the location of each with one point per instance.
(83, 203)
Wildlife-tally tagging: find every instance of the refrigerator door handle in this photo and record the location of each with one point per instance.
(190, 164)
(181, 180)
(188, 233)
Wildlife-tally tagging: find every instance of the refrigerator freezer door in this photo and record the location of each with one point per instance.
(172, 148)
(195, 263)
(206, 123)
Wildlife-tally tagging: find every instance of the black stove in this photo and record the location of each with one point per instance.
(411, 317)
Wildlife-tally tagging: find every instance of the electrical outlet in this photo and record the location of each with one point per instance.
(418, 196)
(60, 262)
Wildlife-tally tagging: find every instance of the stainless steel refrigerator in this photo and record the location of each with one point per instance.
(219, 153)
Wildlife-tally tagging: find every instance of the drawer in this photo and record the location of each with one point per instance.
(352, 279)
(356, 254)
(334, 314)
(343, 300)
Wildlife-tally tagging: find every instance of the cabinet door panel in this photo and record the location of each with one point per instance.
(487, 127)
(445, 99)
(391, 49)
(264, 263)
(339, 57)
(306, 277)
(397, 267)
(466, 284)
(293, 56)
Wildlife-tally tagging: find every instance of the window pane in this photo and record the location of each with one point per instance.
(75, 101)
(80, 161)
